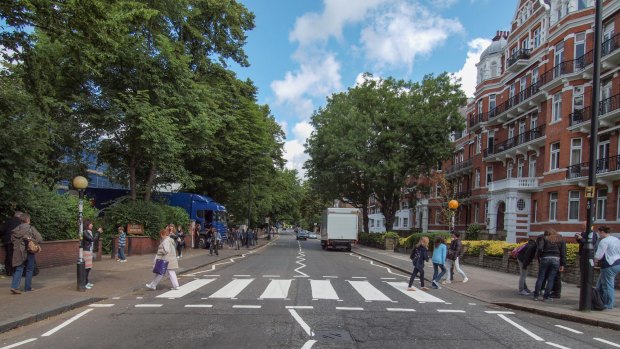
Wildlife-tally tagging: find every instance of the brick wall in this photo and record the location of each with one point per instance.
(56, 253)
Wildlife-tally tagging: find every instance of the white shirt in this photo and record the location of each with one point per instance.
(610, 248)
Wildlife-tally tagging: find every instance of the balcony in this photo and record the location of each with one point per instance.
(609, 114)
(459, 168)
(610, 55)
(476, 120)
(523, 101)
(607, 170)
(529, 140)
(463, 195)
(519, 59)
(567, 70)
(521, 184)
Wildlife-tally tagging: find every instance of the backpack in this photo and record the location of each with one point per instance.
(597, 300)
(415, 255)
(515, 251)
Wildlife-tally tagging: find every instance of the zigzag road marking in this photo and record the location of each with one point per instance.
(389, 270)
(230, 260)
(299, 261)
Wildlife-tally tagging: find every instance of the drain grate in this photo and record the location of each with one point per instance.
(332, 336)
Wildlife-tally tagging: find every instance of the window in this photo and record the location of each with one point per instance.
(477, 212)
(437, 216)
(509, 170)
(372, 222)
(582, 4)
(492, 105)
(555, 156)
(478, 145)
(601, 204)
(477, 182)
(553, 206)
(479, 104)
(578, 101)
(405, 222)
(558, 58)
(535, 214)
(489, 174)
(493, 70)
(556, 113)
(534, 78)
(404, 205)
(575, 151)
(537, 37)
(520, 167)
(580, 50)
(490, 140)
(486, 212)
(525, 43)
(531, 170)
(573, 205)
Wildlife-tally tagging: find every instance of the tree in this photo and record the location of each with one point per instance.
(377, 134)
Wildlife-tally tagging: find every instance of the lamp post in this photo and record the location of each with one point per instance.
(80, 183)
(452, 205)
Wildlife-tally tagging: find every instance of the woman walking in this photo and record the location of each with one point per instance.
(180, 241)
(167, 251)
(439, 259)
(418, 256)
(21, 258)
(89, 240)
(552, 259)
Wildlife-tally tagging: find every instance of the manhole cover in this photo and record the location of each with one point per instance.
(332, 336)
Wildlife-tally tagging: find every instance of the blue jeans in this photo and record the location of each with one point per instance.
(121, 253)
(19, 270)
(436, 274)
(605, 285)
(548, 269)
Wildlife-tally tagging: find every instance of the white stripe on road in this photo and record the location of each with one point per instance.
(418, 295)
(148, 305)
(330, 277)
(399, 309)
(301, 322)
(450, 311)
(607, 342)
(349, 308)
(499, 312)
(247, 306)
(358, 277)
(186, 289)
(322, 289)
(309, 344)
(242, 276)
(99, 305)
(198, 306)
(523, 329)
(368, 291)
(277, 289)
(232, 289)
(568, 329)
(271, 276)
(299, 307)
(556, 345)
(19, 343)
(59, 327)
(388, 278)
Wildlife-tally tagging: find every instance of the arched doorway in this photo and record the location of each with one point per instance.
(501, 209)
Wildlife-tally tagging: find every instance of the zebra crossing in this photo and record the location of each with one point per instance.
(320, 289)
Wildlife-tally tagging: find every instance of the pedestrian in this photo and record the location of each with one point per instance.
(524, 258)
(96, 237)
(180, 241)
(247, 235)
(608, 255)
(88, 244)
(212, 239)
(122, 240)
(167, 251)
(22, 259)
(418, 256)
(196, 232)
(551, 251)
(9, 225)
(439, 260)
(455, 252)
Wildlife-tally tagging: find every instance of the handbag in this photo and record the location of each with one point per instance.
(160, 267)
(32, 247)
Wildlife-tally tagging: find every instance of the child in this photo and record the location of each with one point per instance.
(122, 239)
(419, 255)
(439, 259)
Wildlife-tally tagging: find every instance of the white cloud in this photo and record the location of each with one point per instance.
(295, 156)
(468, 73)
(402, 32)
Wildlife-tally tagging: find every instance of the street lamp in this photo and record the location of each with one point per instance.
(452, 205)
(80, 183)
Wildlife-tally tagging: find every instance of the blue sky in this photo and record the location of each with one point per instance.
(302, 51)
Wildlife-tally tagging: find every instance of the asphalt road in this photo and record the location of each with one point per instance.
(292, 294)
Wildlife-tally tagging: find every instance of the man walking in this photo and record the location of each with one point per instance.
(608, 254)
(454, 255)
(9, 225)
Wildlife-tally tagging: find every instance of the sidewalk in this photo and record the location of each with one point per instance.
(501, 289)
(55, 288)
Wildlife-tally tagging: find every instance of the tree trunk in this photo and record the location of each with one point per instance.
(365, 217)
(388, 208)
(132, 178)
(149, 183)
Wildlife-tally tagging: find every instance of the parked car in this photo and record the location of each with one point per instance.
(302, 235)
(312, 235)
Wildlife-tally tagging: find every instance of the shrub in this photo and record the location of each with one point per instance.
(473, 232)
(150, 215)
(413, 239)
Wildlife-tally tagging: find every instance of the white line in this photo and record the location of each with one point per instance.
(271, 276)
(116, 297)
(472, 303)
(198, 306)
(237, 276)
(368, 291)
(349, 308)
(498, 312)
(568, 329)
(277, 289)
(450, 311)
(301, 322)
(59, 327)
(322, 289)
(148, 305)
(309, 344)
(399, 309)
(358, 277)
(388, 278)
(299, 307)
(247, 306)
(20, 343)
(523, 329)
(607, 342)
(556, 345)
(330, 277)
(418, 295)
(232, 289)
(101, 305)
(186, 289)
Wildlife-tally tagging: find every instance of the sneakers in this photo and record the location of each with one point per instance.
(89, 286)
(465, 280)
(150, 287)
(16, 291)
(524, 293)
(424, 288)
(445, 282)
(410, 289)
(123, 261)
(435, 285)
(536, 298)
(175, 288)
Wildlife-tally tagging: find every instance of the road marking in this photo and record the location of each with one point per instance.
(358, 277)
(418, 295)
(198, 306)
(399, 309)
(322, 289)
(450, 311)
(349, 308)
(232, 289)
(499, 312)
(448, 303)
(59, 327)
(116, 297)
(607, 342)
(20, 343)
(301, 322)
(523, 329)
(309, 344)
(101, 305)
(139, 297)
(388, 278)
(277, 289)
(568, 329)
(247, 306)
(472, 303)
(271, 276)
(148, 305)
(556, 345)
(186, 289)
(330, 277)
(299, 307)
(368, 291)
(242, 276)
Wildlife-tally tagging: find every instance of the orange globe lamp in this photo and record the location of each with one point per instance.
(453, 204)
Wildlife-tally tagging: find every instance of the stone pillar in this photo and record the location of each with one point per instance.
(510, 217)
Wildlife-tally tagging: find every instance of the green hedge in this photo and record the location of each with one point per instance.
(413, 239)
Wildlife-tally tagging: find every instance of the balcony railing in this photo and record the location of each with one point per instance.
(603, 165)
(610, 45)
(475, 119)
(523, 53)
(515, 141)
(459, 166)
(463, 194)
(567, 67)
(606, 106)
(521, 183)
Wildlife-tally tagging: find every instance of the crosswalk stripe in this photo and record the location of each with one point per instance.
(322, 289)
(277, 289)
(418, 295)
(368, 291)
(186, 289)
(232, 289)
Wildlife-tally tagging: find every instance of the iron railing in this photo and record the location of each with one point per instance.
(605, 106)
(515, 141)
(610, 45)
(608, 164)
(523, 53)
(459, 166)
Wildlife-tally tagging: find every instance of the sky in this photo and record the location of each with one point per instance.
(303, 51)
